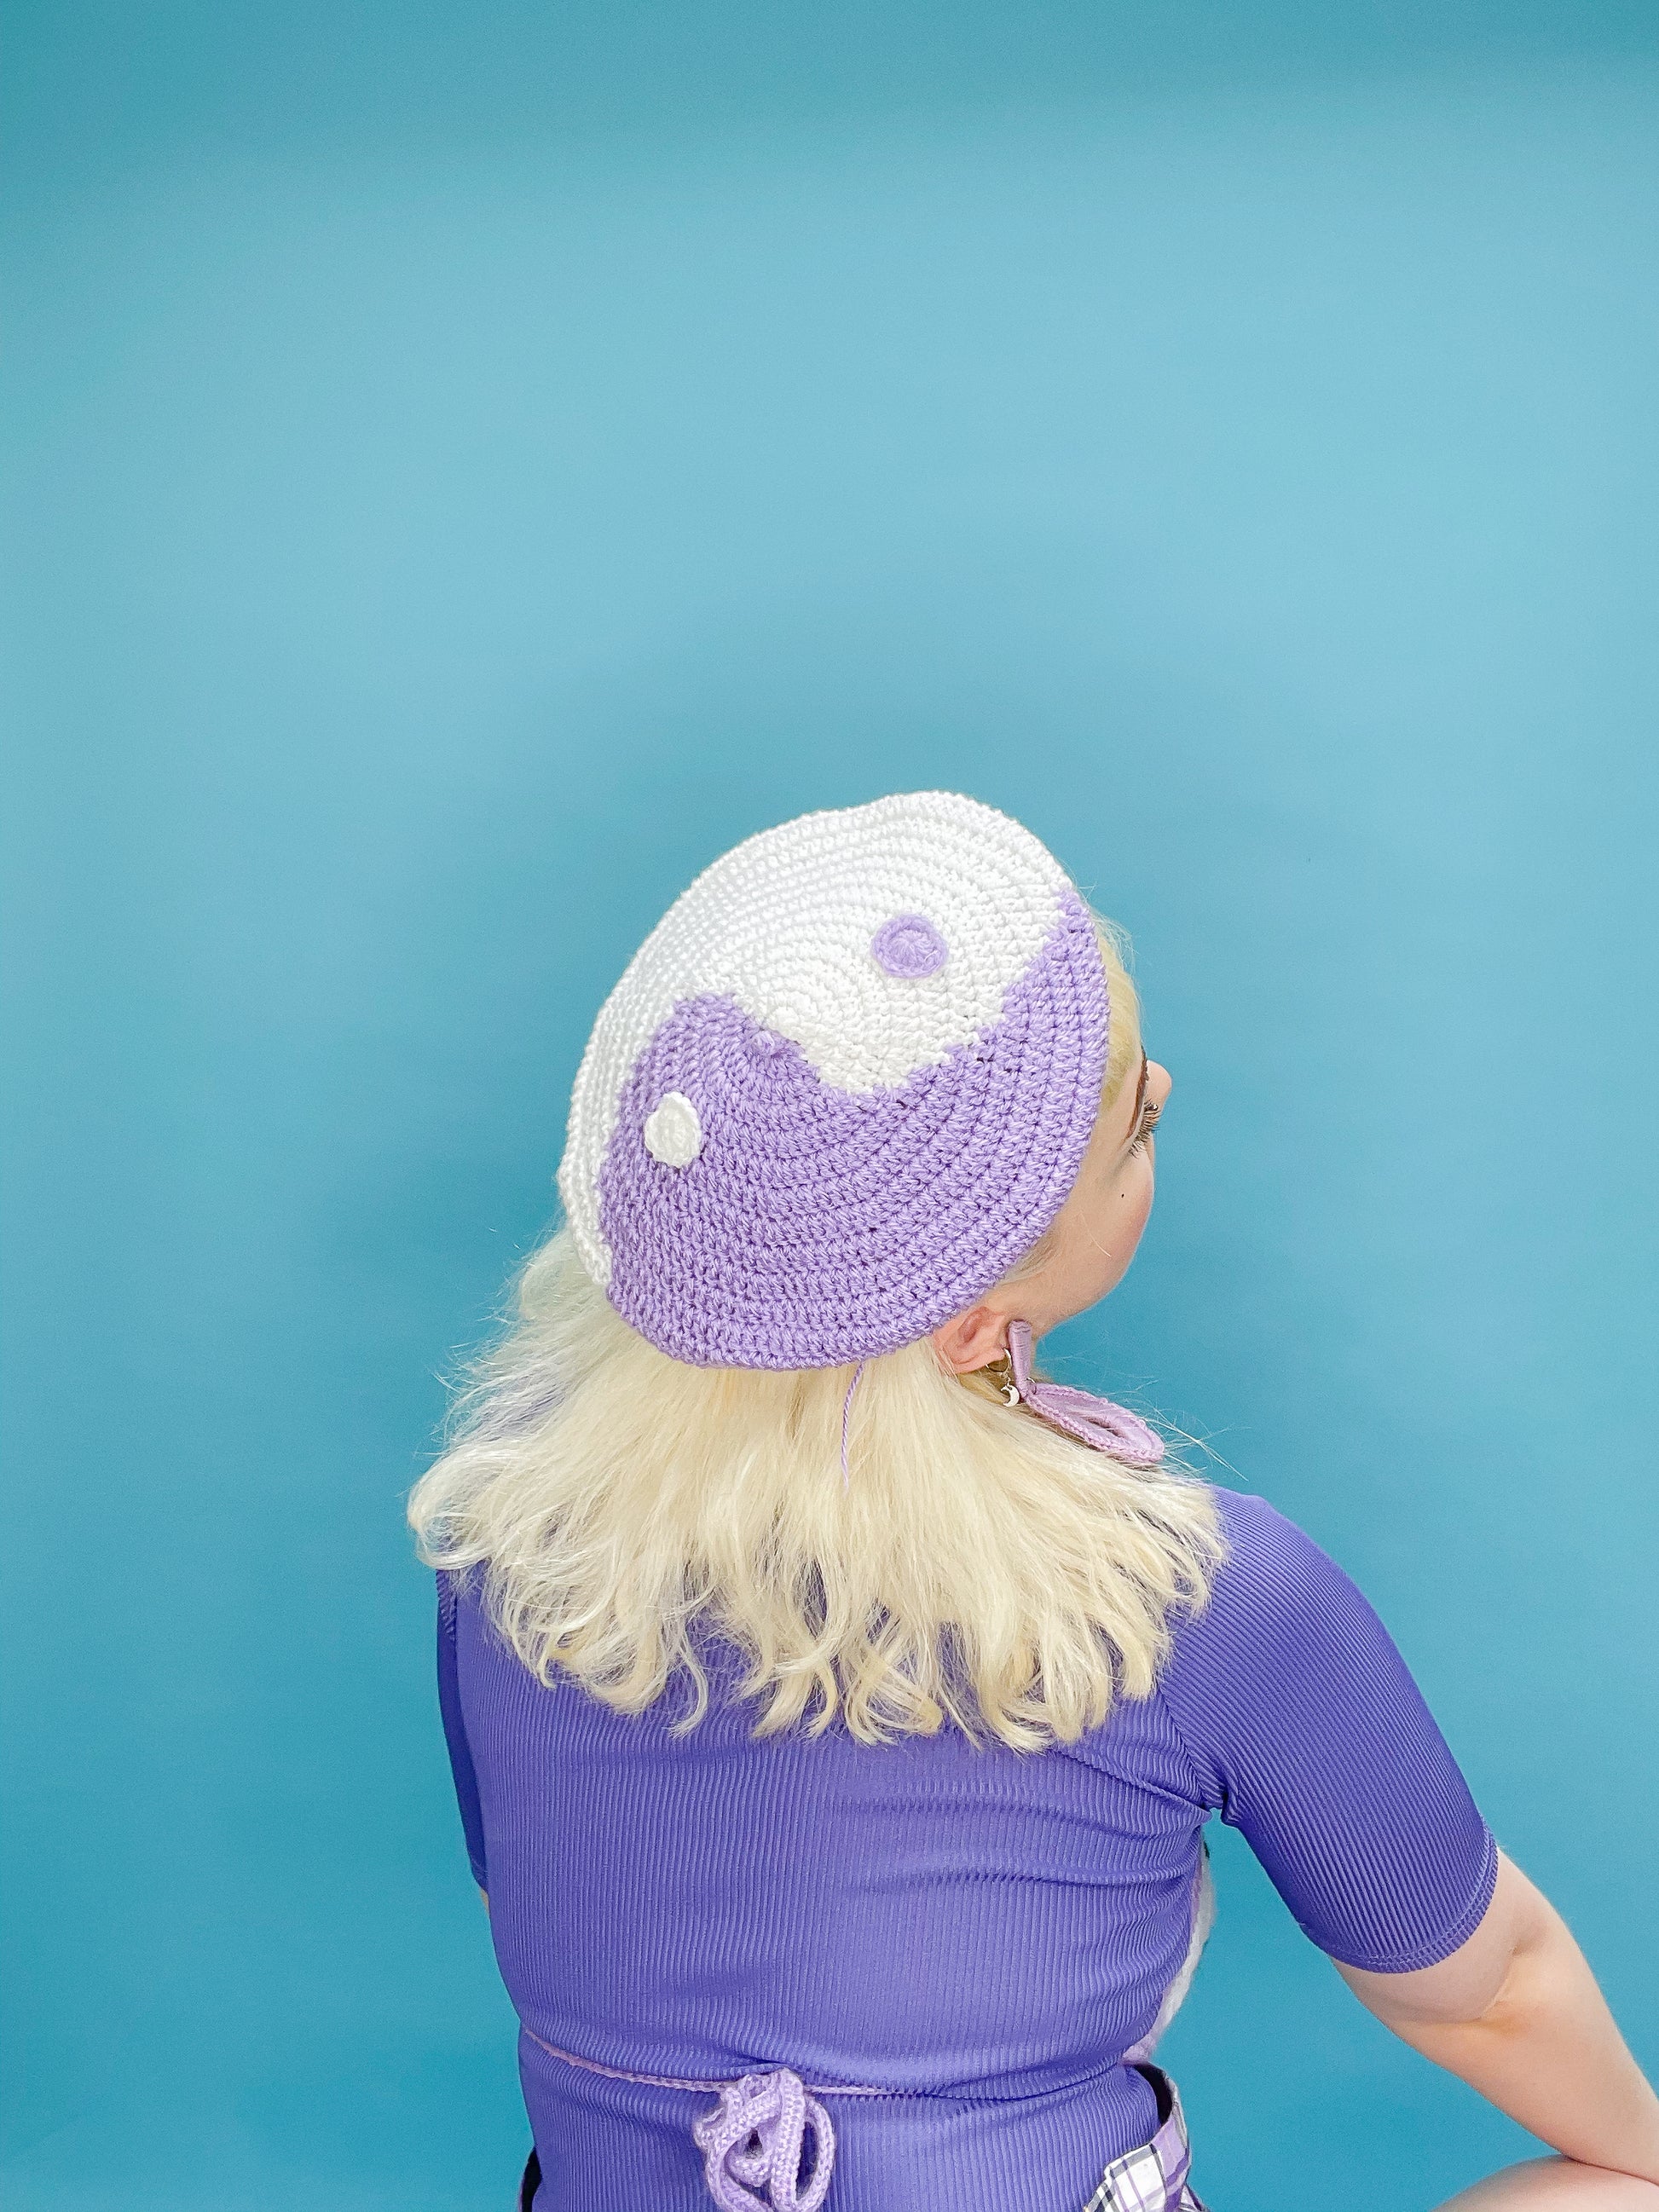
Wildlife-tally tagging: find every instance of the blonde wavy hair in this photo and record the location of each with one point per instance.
(974, 1567)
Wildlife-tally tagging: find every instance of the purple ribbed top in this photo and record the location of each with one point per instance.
(979, 1933)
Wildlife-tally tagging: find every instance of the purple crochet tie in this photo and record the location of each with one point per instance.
(753, 2141)
(1097, 1422)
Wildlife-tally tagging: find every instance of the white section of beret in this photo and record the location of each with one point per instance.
(782, 924)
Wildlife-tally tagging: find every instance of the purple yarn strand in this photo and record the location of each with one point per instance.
(846, 1421)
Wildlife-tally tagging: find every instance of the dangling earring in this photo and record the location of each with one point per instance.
(1001, 1372)
(1100, 1423)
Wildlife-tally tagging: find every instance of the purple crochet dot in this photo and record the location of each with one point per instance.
(909, 945)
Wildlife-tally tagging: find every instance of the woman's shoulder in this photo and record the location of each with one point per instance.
(1277, 1598)
(1262, 1542)
(1267, 1561)
(1286, 1650)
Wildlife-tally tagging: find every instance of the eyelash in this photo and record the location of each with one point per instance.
(1148, 1122)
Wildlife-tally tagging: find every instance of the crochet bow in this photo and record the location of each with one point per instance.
(1097, 1422)
(753, 2141)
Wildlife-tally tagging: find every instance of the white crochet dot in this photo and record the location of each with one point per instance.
(674, 1134)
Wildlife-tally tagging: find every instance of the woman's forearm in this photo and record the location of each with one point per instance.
(1545, 2049)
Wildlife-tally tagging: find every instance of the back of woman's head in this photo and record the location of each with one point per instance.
(841, 1093)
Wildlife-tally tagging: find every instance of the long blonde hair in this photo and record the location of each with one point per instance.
(973, 1566)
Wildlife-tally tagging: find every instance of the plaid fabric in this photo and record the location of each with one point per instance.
(1154, 2178)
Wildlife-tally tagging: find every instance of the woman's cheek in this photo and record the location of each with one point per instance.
(1135, 1191)
(1125, 1218)
(1138, 1202)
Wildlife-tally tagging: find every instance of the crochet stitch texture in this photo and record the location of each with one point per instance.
(846, 1081)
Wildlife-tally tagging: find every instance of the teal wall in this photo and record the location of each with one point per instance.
(466, 468)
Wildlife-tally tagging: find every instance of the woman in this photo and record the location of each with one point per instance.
(835, 1707)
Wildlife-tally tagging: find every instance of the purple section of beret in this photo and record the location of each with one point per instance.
(819, 1225)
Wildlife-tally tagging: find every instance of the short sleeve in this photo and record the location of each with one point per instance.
(1307, 1732)
(460, 1754)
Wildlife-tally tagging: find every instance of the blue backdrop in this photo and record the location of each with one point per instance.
(469, 465)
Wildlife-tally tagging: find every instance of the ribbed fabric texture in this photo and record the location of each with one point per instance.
(981, 1932)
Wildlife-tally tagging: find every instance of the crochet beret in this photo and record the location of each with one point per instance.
(845, 1082)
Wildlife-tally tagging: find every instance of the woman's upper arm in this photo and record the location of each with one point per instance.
(1308, 1734)
(1463, 1986)
(454, 1727)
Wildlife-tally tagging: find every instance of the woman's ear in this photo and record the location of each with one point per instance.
(973, 1337)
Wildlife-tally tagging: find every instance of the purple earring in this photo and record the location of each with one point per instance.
(1097, 1422)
